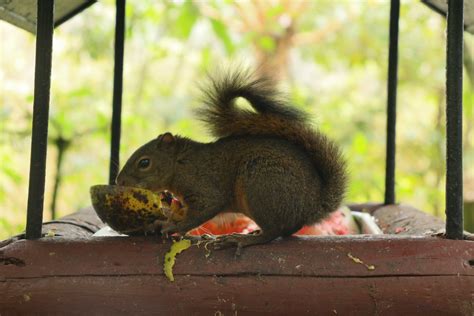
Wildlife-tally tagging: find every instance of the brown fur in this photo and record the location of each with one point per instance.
(269, 164)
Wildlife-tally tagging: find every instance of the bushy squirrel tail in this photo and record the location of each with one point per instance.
(273, 117)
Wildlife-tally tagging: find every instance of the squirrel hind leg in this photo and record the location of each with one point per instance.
(244, 240)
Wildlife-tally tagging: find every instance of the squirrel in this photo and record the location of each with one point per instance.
(268, 164)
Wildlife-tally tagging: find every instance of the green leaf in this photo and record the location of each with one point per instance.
(360, 143)
(185, 21)
(276, 10)
(267, 43)
(221, 31)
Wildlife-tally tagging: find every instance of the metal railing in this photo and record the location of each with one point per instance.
(39, 137)
(117, 94)
(391, 103)
(454, 176)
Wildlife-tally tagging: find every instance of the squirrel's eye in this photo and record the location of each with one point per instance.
(144, 163)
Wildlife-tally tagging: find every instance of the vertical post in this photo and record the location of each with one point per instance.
(454, 176)
(117, 93)
(391, 103)
(39, 138)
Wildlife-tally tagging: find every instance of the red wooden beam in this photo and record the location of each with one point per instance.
(295, 275)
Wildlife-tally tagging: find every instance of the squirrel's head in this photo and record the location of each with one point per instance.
(151, 166)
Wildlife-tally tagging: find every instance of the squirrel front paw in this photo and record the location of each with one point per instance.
(169, 228)
(154, 227)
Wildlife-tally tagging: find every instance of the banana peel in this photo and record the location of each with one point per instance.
(170, 256)
(130, 210)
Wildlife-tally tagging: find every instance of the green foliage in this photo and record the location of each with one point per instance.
(7, 228)
(339, 77)
(221, 32)
(186, 16)
(267, 43)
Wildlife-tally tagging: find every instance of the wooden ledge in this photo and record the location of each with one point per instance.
(315, 275)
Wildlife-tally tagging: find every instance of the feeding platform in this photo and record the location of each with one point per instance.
(325, 275)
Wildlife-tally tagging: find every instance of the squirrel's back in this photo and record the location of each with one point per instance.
(273, 117)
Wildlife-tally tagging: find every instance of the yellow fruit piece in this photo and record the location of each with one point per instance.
(136, 200)
(126, 209)
(170, 256)
(357, 260)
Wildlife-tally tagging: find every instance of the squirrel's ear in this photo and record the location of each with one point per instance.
(166, 138)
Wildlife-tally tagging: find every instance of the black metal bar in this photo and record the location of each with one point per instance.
(117, 94)
(392, 103)
(62, 145)
(435, 7)
(39, 138)
(454, 176)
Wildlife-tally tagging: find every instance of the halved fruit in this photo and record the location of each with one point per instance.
(127, 209)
